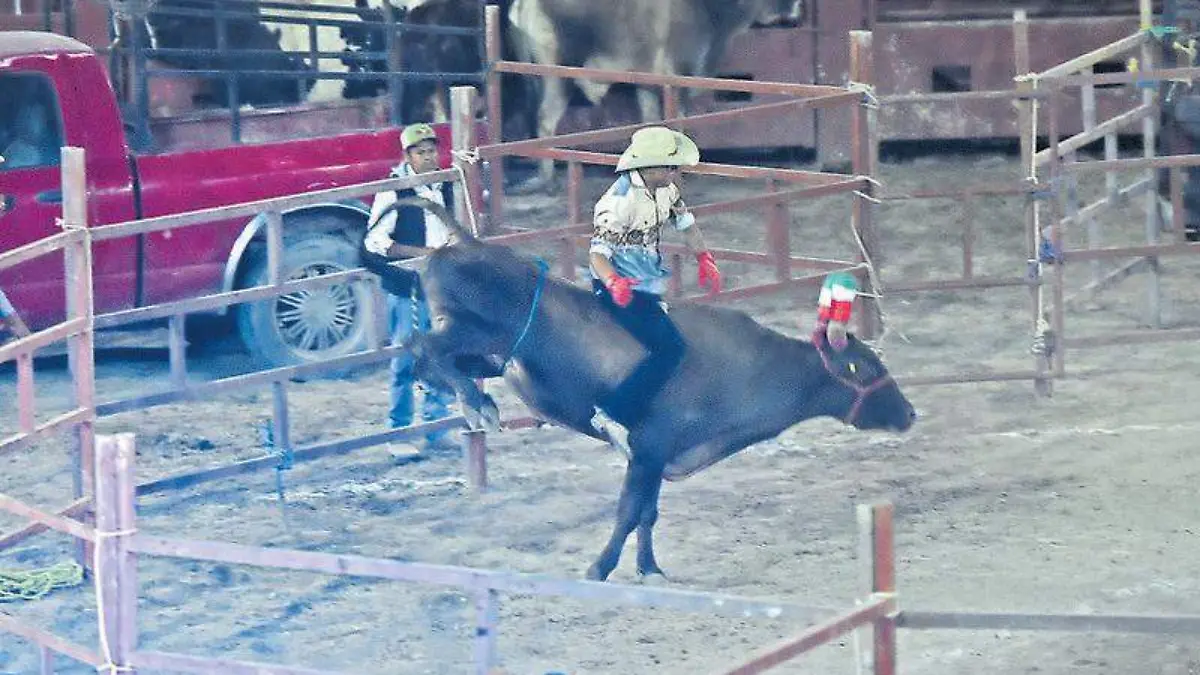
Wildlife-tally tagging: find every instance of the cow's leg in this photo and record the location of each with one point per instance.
(649, 104)
(551, 110)
(642, 479)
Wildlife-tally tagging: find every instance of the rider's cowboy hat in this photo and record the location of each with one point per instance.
(658, 146)
(415, 133)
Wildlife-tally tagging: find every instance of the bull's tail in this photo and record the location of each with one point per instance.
(458, 233)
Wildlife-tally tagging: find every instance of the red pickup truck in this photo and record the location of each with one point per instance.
(54, 91)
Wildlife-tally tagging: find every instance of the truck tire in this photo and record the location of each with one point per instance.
(306, 326)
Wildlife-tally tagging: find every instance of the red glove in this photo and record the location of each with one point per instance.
(621, 289)
(710, 276)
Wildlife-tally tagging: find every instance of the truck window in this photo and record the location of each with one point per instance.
(30, 126)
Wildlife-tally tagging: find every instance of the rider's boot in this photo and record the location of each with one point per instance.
(618, 435)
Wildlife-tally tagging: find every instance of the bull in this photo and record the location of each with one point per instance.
(496, 313)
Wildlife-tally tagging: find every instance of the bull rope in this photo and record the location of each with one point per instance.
(543, 271)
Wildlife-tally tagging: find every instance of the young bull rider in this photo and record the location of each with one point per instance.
(407, 309)
(628, 271)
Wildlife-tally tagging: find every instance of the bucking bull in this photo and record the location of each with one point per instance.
(498, 314)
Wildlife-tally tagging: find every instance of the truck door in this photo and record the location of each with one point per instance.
(31, 135)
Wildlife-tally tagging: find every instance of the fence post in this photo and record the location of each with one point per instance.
(1042, 384)
(862, 143)
(495, 111)
(778, 235)
(1150, 98)
(462, 129)
(462, 120)
(116, 572)
(77, 260)
(485, 629)
(395, 85)
(877, 553)
(566, 250)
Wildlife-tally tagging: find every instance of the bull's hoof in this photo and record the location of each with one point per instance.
(651, 571)
(594, 573)
(484, 417)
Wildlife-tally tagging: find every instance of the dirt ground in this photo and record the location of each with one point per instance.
(1083, 502)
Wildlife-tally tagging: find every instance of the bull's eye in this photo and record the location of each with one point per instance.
(853, 369)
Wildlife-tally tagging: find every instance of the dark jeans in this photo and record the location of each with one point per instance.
(646, 320)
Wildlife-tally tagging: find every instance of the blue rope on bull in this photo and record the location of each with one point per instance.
(543, 270)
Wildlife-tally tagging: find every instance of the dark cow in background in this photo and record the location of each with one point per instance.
(197, 29)
(496, 314)
(429, 100)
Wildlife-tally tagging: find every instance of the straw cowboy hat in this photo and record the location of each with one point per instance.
(658, 146)
(415, 133)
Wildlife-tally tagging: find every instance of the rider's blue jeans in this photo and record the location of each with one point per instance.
(648, 322)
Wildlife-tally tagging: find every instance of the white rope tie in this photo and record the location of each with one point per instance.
(105, 647)
(868, 92)
(470, 157)
(1041, 327)
(875, 294)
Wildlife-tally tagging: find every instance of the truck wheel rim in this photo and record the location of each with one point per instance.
(318, 319)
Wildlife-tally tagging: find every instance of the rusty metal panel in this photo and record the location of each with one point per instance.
(776, 54)
(928, 57)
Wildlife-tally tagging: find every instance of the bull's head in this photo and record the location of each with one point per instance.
(861, 391)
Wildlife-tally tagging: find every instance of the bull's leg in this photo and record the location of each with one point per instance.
(646, 564)
(435, 356)
(642, 479)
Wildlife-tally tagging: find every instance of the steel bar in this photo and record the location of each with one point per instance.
(204, 390)
(1134, 164)
(973, 283)
(703, 168)
(682, 81)
(48, 336)
(1099, 131)
(75, 508)
(202, 665)
(301, 454)
(1140, 251)
(816, 636)
(512, 583)
(20, 441)
(1139, 77)
(1108, 623)
(41, 247)
(50, 520)
(1133, 338)
(1093, 57)
(524, 148)
(253, 208)
(9, 624)
(1110, 201)
(957, 96)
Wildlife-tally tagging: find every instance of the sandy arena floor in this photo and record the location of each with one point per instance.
(1079, 503)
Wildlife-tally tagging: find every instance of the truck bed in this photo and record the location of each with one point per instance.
(212, 129)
